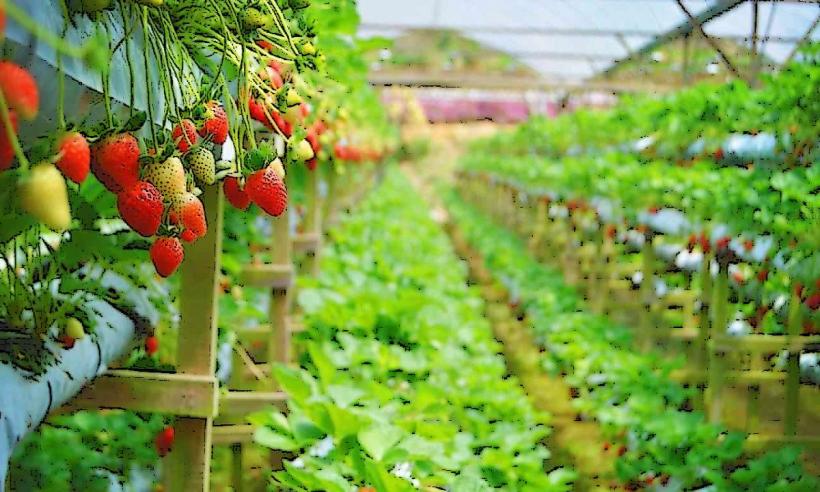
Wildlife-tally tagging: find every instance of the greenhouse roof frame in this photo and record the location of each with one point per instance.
(777, 27)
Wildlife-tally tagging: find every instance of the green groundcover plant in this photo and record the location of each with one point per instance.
(401, 385)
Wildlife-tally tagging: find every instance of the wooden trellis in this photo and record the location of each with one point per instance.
(715, 359)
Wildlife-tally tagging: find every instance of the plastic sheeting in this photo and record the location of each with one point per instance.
(25, 402)
(573, 40)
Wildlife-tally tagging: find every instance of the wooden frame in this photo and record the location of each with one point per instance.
(592, 267)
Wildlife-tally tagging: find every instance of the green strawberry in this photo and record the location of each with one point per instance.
(202, 163)
(168, 176)
(253, 19)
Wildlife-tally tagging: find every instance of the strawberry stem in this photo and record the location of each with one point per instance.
(148, 78)
(11, 134)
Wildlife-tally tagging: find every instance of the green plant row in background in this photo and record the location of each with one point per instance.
(401, 384)
(786, 106)
(627, 392)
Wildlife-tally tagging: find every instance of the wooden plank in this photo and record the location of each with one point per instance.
(758, 442)
(232, 434)
(277, 276)
(697, 376)
(242, 403)
(765, 343)
(307, 242)
(174, 394)
(793, 326)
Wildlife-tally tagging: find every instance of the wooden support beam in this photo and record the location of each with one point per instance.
(307, 242)
(188, 467)
(232, 434)
(238, 404)
(185, 395)
(765, 343)
(277, 276)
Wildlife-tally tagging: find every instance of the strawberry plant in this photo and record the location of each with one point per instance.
(629, 393)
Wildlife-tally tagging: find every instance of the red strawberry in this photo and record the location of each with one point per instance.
(184, 135)
(187, 210)
(141, 208)
(284, 127)
(319, 127)
(6, 150)
(235, 193)
(75, 156)
(723, 243)
(264, 44)
(257, 111)
(267, 190)
(813, 302)
(313, 139)
(312, 163)
(188, 236)
(166, 254)
(738, 278)
(692, 241)
(705, 245)
(718, 154)
(151, 345)
(762, 275)
(115, 161)
(67, 342)
(215, 125)
(20, 89)
(164, 441)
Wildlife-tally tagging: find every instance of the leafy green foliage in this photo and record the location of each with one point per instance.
(400, 376)
(629, 393)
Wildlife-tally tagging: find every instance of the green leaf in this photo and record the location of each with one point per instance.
(378, 439)
(268, 437)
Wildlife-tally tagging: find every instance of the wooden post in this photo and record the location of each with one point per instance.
(701, 349)
(792, 368)
(600, 302)
(279, 341)
(753, 394)
(313, 220)
(237, 467)
(187, 467)
(717, 355)
(540, 216)
(647, 325)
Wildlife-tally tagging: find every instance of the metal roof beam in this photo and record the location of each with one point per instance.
(563, 31)
(694, 22)
(506, 82)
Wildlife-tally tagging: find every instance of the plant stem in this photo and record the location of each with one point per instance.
(11, 134)
(146, 42)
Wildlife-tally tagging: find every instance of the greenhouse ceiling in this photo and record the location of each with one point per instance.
(576, 40)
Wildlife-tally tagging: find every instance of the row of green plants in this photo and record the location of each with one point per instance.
(766, 222)
(785, 106)
(400, 384)
(658, 442)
